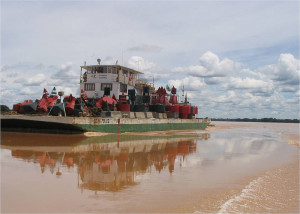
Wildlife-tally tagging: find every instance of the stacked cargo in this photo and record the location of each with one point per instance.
(184, 111)
(160, 102)
(122, 105)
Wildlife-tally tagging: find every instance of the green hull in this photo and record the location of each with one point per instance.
(113, 128)
(52, 124)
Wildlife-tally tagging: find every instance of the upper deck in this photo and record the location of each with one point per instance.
(108, 73)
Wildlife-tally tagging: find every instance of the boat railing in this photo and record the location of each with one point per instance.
(102, 76)
(140, 83)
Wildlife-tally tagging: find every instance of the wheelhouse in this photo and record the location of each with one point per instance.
(94, 78)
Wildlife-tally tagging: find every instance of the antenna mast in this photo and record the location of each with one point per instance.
(182, 99)
(153, 79)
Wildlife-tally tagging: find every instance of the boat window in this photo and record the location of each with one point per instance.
(85, 77)
(123, 87)
(108, 69)
(99, 70)
(114, 70)
(103, 85)
(105, 70)
(125, 72)
(89, 86)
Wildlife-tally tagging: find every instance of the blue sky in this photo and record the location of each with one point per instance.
(234, 58)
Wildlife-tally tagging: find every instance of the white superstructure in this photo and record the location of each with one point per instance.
(94, 78)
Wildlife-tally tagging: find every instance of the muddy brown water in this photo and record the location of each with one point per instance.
(229, 168)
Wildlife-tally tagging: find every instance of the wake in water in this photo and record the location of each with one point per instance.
(273, 192)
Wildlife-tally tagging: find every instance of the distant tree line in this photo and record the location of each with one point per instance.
(4, 108)
(272, 120)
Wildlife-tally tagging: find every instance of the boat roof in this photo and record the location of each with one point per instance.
(89, 68)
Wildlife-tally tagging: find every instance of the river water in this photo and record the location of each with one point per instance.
(232, 167)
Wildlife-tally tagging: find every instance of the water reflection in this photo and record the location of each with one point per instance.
(111, 170)
(178, 173)
(104, 165)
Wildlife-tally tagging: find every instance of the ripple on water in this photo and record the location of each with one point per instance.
(273, 192)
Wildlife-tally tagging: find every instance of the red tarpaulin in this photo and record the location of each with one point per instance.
(109, 100)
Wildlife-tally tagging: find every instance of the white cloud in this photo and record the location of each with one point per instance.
(149, 69)
(36, 80)
(67, 90)
(285, 72)
(65, 72)
(140, 64)
(64, 76)
(256, 85)
(26, 91)
(241, 89)
(210, 67)
(189, 83)
(175, 38)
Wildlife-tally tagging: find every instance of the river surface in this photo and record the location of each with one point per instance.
(229, 168)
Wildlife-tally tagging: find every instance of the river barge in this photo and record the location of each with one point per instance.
(54, 124)
(113, 99)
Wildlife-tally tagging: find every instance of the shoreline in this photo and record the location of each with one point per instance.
(275, 191)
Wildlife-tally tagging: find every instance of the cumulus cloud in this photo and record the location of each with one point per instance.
(66, 90)
(65, 72)
(65, 75)
(210, 66)
(255, 85)
(8, 97)
(149, 69)
(214, 80)
(140, 64)
(233, 87)
(189, 83)
(215, 85)
(288, 88)
(285, 72)
(27, 91)
(36, 80)
(27, 80)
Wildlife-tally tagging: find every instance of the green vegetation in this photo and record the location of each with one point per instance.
(4, 108)
(271, 120)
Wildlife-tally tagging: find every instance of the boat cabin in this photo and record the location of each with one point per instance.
(94, 78)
